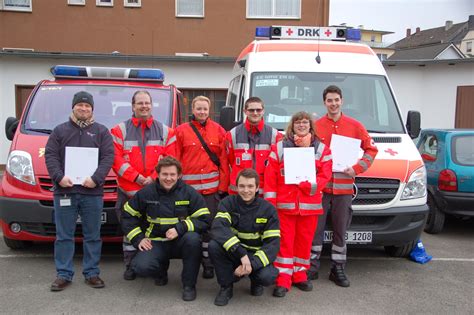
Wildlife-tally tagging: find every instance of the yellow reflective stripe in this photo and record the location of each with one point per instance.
(134, 233)
(162, 220)
(248, 236)
(263, 257)
(181, 202)
(148, 231)
(190, 225)
(127, 208)
(234, 230)
(261, 220)
(250, 247)
(200, 212)
(271, 233)
(230, 242)
(224, 215)
(164, 239)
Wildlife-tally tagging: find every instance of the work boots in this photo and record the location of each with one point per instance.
(338, 276)
(224, 296)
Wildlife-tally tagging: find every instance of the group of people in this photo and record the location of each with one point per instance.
(206, 196)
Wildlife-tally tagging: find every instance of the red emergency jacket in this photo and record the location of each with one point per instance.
(138, 147)
(302, 199)
(249, 147)
(342, 184)
(198, 169)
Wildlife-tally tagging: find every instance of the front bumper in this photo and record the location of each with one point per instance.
(456, 203)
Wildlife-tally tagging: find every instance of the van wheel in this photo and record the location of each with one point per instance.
(435, 222)
(16, 244)
(400, 251)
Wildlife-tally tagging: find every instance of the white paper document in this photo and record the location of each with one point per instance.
(299, 165)
(345, 152)
(80, 163)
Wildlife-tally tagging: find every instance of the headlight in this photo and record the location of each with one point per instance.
(20, 166)
(416, 186)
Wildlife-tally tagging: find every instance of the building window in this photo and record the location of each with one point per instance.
(468, 47)
(76, 2)
(17, 5)
(382, 57)
(105, 3)
(372, 38)
(273, 9)
(190, 8)
(132, 3)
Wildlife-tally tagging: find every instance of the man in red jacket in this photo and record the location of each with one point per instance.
(140, 142)
(249, 144)
(206, 170)
(337, 196)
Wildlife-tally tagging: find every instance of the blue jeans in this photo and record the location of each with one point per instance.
(90, 209)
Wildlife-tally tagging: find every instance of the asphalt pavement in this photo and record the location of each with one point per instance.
(379, 284)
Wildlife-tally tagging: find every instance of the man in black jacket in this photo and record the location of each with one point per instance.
(78, 196)
(245, 239)
(165, 220)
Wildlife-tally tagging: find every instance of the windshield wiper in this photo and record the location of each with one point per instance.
(47, 131)
(376, 131)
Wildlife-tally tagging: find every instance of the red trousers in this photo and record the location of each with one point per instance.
(293, 259)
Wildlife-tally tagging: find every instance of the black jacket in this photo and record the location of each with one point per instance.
(69, 134)
(248, 229)
(153, 211)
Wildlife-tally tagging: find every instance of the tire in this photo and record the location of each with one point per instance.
(400, 251)
(435, 222)
(16, 244)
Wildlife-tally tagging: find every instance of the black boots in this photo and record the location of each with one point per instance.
(338, 276)
(224, 296)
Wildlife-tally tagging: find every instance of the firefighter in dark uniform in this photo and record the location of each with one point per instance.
(165, 220)
(245, 239)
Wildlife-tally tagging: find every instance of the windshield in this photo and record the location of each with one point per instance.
(366, 98)
(112, 104)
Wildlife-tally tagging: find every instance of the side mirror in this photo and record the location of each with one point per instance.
(10, 127)
(226, 119)
(413, 123)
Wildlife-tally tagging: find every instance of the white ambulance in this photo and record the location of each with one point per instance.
(290, 69)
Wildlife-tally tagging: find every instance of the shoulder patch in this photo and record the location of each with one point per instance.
(261, 220)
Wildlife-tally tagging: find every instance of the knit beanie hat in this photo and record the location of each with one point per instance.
(83, 97)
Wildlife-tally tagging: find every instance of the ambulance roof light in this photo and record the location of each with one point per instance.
(108, 73)
(307, 32)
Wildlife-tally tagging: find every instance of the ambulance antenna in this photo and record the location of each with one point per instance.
(318, 58)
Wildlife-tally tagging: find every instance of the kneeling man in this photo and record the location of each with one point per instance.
(165, 220)
(245, 239)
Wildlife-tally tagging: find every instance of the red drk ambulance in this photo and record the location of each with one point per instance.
(26, 198)
(289, 70)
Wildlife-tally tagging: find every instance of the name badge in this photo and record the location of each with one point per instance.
(65, 202)
(246, 157)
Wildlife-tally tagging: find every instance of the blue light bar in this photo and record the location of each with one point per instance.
(147, 74)
(68, 71)
(262, 31)
(353, 34)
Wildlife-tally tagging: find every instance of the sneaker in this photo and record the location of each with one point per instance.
(129, 274)
(339, 277)
(189, 293)
(256, 289)
(208, 272)
(279, 291)
(312, 275)
(95, 282)
(304, 286)
(59, 284)
(224, 296)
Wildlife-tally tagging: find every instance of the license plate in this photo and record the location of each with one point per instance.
(103, 218)
(352, 237)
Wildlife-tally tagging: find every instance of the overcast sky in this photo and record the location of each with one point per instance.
(398, 15)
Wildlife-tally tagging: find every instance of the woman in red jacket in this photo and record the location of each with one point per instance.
(298, 205)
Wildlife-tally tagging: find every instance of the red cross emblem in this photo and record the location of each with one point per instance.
(289, 32)
(391, 152)
(328, 33)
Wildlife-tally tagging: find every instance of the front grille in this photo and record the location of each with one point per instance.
(362, 222)
(375, 191)
(110, 185)
(49, 229)
(387, 139)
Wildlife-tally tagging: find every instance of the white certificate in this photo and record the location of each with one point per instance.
(299, 165)
(345, 152)
(80, 163)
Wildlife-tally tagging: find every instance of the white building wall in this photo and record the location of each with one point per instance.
(29, 71)
(431, 90)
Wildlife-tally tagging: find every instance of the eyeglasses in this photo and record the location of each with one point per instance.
(254, 110)
(142, 103)
(302, 122)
